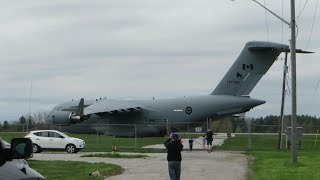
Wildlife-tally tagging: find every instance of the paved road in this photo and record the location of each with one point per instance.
(199, 165)
(218, 140)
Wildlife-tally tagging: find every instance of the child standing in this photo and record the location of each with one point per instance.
(190, 143)
(204, 141)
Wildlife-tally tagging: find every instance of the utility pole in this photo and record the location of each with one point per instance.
(292, 25)
(281, 120)
(294, 152)
(29, 118)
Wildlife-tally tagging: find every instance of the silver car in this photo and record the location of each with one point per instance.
(12, 163)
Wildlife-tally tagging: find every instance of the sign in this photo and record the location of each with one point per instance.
(198, 129)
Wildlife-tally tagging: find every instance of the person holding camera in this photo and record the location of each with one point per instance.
(174, 147)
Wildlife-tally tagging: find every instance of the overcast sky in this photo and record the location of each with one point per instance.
(139, 49)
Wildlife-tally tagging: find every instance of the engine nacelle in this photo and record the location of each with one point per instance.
(66, 118)
(61, 117)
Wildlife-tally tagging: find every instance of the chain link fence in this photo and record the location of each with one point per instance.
(134, 136)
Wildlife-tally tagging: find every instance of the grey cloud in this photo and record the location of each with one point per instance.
(73, 49)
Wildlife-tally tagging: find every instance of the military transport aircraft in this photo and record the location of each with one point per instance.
(229, 98)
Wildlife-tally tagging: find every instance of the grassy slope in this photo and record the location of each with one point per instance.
(273, 164)
(265, 143)
(277, 165)
(73, 170)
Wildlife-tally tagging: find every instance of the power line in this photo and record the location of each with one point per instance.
(302, 9)
(282, 24)
(314, 17)
(315, 91)
(265, 14)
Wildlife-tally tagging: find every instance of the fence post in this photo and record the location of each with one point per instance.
(135, 136)
(249, 135)
(168, 128)
(97, 133)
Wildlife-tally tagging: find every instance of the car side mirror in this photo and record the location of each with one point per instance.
(21, 148)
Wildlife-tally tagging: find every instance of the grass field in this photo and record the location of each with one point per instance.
(265, 143)
(103, 143)
(73, 170)
(273, 164)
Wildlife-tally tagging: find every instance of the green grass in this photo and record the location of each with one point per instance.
(265, 143)
(103, 143)
(7, 136)
(275, 165)
(73, 170)
(109, 155)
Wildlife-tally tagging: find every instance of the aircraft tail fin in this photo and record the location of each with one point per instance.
(254, 61)
(80, 107)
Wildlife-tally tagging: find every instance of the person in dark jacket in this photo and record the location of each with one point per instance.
(191, 143)
(174, 147)
(209, 139)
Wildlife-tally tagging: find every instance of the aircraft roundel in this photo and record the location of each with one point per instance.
(188, 110)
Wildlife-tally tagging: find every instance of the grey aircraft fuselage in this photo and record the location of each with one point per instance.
(150, 117)
(156, 113)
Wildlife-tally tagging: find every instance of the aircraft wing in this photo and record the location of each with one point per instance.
(108, 107)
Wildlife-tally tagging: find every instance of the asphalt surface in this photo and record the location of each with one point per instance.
(195, 165)
(198, 164)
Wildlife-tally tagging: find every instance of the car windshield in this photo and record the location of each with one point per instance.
(63, 134)
(4, 143)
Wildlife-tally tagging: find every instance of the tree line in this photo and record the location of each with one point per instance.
(271, 123)
(25, 122)
(268, 124)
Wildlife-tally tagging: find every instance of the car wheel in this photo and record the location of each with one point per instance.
(36, 148)
(71, 148)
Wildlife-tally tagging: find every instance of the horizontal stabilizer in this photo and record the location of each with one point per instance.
(300, 51)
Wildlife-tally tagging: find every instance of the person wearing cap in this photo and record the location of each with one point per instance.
(174, 147)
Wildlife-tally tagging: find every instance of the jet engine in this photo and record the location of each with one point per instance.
(65, 118)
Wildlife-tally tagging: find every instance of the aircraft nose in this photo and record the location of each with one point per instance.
(257, 102)
(49, 118)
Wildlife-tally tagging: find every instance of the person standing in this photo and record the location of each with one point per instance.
(174, 148)
(190, 143)
(209, 139)
(203, 138)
